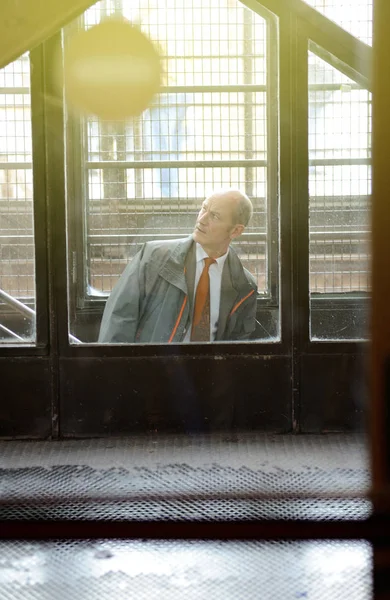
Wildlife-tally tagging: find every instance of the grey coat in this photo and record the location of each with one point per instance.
(152, 301)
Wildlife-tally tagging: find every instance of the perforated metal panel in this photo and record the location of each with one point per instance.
(198, 570)
(178, 492)
(185, 477)
(205, 477)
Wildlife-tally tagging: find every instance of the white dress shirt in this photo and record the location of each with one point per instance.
(215, 274)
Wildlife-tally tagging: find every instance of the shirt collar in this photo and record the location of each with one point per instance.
(201, 254)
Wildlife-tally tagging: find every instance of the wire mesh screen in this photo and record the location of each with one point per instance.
(146, 178)
(168, 570)
(16, 201)
(339, 182)
(355, 16)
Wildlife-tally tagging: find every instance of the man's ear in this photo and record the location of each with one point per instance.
(237, 231)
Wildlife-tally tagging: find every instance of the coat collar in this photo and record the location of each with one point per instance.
(235, 286)
(173, 269)
(174, 266)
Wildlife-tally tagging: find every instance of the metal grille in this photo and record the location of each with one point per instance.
(146, 178)
(179, 477)
(74, 475)
(17, 268)
(339, 181)
(180, 491)
(355, 16)
(167, 570)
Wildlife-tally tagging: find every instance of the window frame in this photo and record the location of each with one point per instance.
(86, 309)
(39, 346)
(274, 389)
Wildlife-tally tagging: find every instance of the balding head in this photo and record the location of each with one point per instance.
(242, 208)
(222, 218)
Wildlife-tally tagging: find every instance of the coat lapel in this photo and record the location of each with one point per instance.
(190, 270)
(228, 298)
(234, 287)
(173, 269)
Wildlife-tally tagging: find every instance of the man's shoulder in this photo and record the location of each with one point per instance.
(241, 275)
(166, 246)
(159, 250)
(250, 278)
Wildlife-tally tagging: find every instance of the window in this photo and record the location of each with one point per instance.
(17, 266)
(339, 188)
(270, 102)
(210, 127)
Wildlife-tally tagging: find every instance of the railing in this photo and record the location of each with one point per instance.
(26, 311)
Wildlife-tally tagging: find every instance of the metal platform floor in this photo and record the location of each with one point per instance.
(186, 477)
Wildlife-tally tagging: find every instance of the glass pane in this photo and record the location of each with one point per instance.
(339, 188)
(17, 265)
(355, 16)
(144, 180)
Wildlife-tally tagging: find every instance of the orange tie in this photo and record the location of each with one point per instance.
(201, 319)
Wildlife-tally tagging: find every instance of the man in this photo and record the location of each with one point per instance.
(187, 290)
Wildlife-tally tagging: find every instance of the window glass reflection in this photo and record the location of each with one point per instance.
(143, 181)
(17, 265)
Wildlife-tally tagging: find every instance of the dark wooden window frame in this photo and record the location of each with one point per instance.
(295, 385)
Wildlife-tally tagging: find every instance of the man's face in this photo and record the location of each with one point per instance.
(215, 227)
